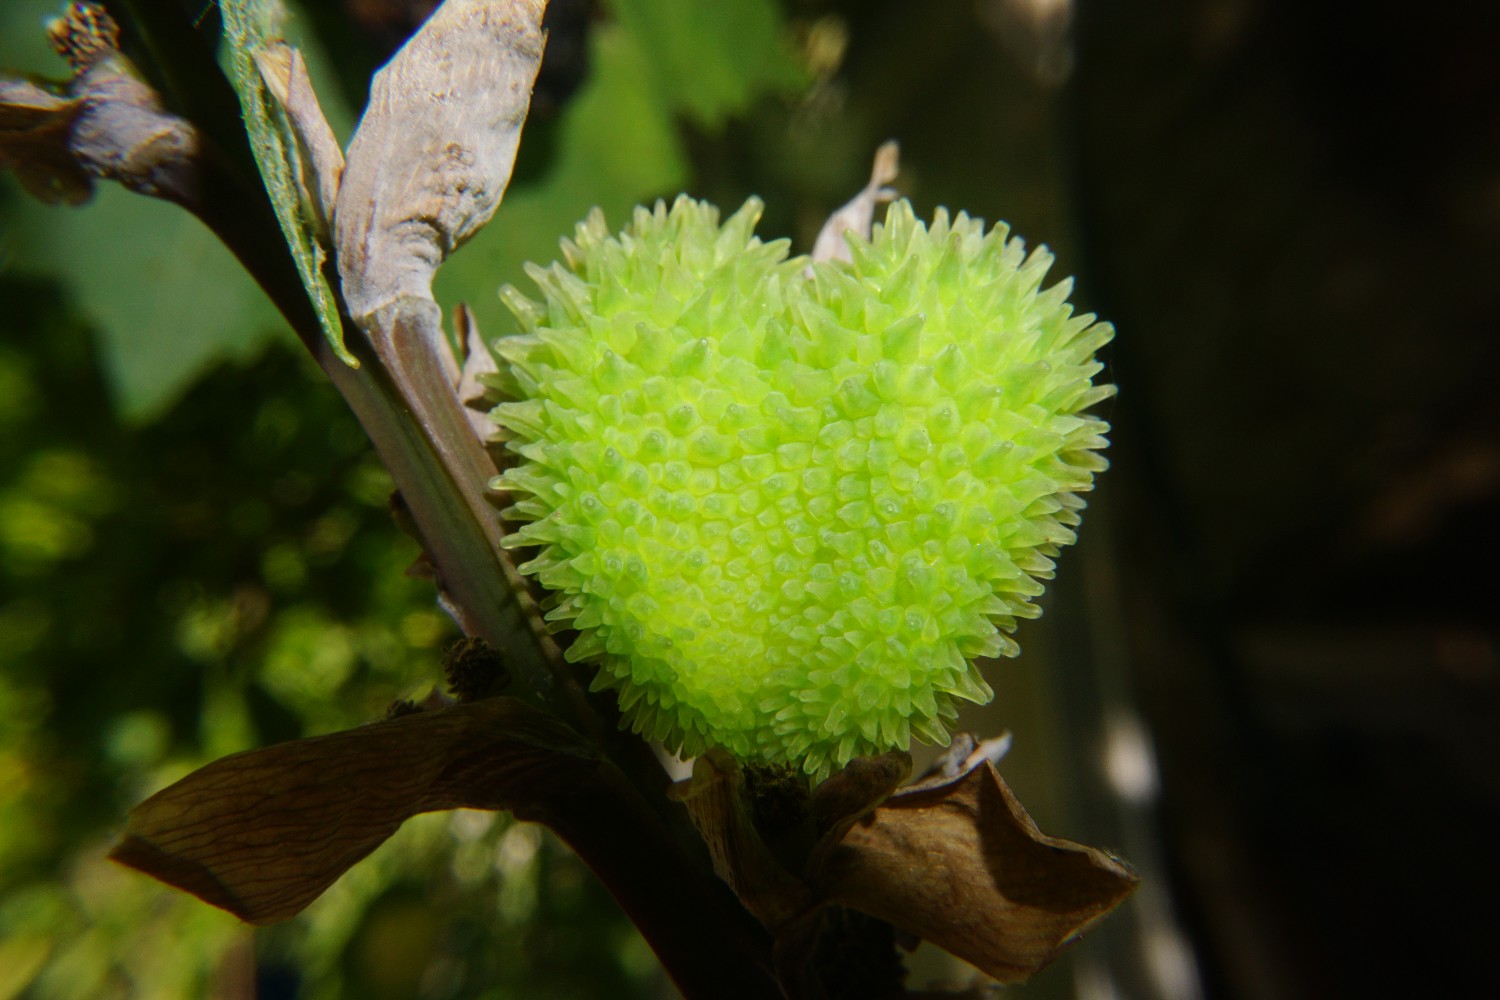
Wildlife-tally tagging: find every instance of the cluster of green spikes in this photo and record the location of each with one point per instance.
(786, 504)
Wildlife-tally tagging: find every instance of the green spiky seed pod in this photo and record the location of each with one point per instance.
(785, 504)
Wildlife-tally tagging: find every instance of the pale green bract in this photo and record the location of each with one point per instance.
(786, 503)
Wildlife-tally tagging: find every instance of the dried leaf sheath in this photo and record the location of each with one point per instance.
(318, 154)
(435, 148)
(250, 28)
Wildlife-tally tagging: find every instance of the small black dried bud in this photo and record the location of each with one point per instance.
(400, 708)
(778, 799)
(474, 670)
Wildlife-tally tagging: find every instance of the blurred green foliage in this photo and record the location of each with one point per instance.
(220, 580)
(164, 297)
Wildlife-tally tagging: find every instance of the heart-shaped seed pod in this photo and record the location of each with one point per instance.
(786, 504)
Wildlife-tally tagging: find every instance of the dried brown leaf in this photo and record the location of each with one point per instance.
(263, 833)
(34, 128)
(959, 863)
(953, 859)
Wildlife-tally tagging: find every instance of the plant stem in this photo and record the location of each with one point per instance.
(708, 943)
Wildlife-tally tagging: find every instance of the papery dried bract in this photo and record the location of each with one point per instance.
(953, 859)
(858, 214)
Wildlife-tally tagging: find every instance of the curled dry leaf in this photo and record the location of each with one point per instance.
(959, 863)
(263, 833)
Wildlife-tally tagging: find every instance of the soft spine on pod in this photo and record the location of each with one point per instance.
(785, 504)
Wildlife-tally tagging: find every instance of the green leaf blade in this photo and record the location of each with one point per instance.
(249, 27)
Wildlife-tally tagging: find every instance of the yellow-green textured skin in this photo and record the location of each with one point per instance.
(785, 504)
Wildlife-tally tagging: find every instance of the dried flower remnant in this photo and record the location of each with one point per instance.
(105, 123)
